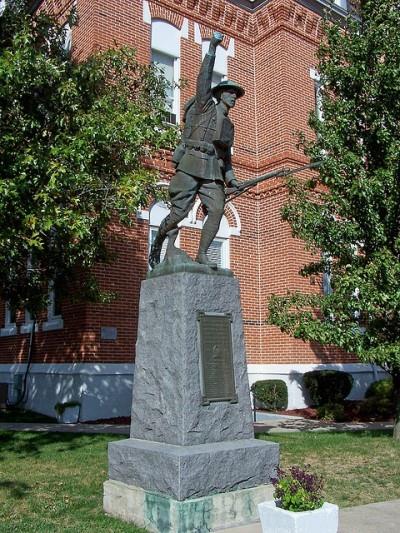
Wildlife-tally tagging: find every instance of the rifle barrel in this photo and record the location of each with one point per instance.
(275, 174)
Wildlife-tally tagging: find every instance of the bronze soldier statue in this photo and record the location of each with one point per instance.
(203, 161)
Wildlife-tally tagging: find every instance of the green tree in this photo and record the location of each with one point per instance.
(349, 214)
(73, 139)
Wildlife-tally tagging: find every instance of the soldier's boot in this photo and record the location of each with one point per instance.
(210, 230)
(155, 252)
(172, 236)
(203, 260)
(167, 227)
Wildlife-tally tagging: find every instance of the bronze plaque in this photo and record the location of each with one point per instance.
(216, 358)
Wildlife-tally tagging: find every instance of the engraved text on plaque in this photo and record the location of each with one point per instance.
(216, 359)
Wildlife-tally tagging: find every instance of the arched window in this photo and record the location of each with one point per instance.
(165, 53)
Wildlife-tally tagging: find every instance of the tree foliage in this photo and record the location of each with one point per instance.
(73, 138)
(349, 214)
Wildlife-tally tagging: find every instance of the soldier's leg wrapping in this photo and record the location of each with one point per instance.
(182, 192)
(212, 196)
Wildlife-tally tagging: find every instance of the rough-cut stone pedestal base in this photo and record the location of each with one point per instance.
(190, 466)
(201, 515)
(183, 472)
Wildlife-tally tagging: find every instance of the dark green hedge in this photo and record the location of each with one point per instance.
(270, 394)
(380, 389)
(327, 386)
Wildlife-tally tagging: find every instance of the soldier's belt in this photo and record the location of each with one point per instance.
(201, 146)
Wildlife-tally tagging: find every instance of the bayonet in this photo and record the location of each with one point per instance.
(232, 192)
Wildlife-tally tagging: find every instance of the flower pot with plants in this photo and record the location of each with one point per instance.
(299, 506)
(67, 412)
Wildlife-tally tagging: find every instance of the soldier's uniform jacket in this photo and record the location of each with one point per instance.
(207, 139)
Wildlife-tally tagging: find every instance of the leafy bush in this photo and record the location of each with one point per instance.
(378, 407)
(380, 389)
(328, 386)
(331, 412)
(298, 490)
(270, 394)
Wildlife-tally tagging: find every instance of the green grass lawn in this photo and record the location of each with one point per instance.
(52, 482)
(358, 467)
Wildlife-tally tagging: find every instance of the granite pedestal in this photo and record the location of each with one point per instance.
(185, 454)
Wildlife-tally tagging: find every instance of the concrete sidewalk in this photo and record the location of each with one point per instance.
(373, 518)
(118, 429)
(266, 423)
(276, 423)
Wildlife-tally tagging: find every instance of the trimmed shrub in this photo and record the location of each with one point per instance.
(331, 412)
(380, 389)
(270, 394)
(327, 386)
(376, 407)
(379, 401)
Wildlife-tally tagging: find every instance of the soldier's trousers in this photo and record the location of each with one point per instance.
(183, 190)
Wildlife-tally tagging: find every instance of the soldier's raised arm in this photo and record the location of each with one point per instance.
(203, 90)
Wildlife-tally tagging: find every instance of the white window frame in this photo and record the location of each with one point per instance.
(54, 321)
(343, 5)
(171, 107)
(314, 75)
(327, 277)
(67, 44)
(224, 251)
(166, 39)
(10, 328)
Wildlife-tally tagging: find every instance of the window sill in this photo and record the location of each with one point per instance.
(8, 331)
(53, 324)
(27, 328)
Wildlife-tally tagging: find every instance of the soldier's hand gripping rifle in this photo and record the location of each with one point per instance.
(234, 192)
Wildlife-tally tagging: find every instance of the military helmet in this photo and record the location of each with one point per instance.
(228, 84)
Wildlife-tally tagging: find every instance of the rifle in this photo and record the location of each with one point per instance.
(233, 192)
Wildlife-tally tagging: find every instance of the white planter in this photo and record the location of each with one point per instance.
(277, 520)
(69, 416)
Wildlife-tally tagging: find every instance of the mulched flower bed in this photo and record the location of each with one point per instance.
(351, 413)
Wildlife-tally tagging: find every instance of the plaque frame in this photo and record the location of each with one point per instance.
(229, 376)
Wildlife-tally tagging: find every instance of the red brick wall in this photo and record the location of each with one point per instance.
(274, 50)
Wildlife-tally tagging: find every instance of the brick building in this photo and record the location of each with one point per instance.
(86, 352)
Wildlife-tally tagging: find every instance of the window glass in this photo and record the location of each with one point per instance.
(215, 253)
(67, 37)
(318, 99)
(341, 3)
(166, 64)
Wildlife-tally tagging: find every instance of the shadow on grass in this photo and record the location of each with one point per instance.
(34, 444)
(16, 489)
(362, 433)
(13, 414)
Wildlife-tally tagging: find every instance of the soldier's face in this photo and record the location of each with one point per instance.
(229, 97)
